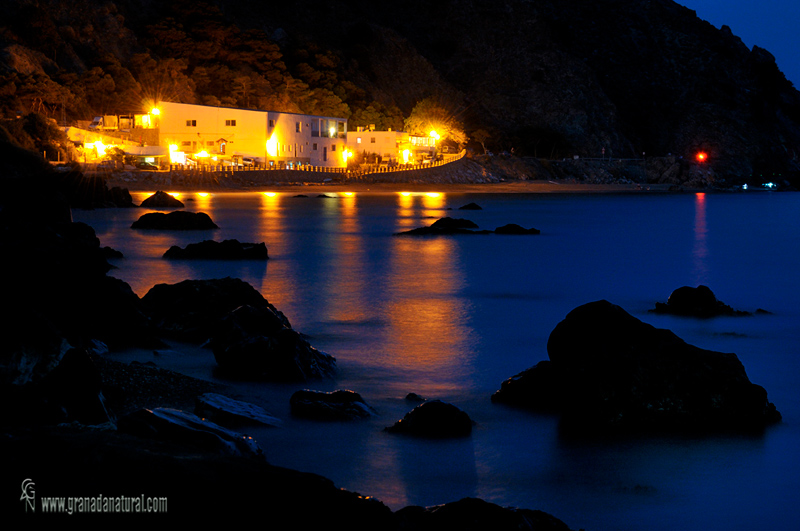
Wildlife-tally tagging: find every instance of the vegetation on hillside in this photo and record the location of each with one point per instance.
(548, 79)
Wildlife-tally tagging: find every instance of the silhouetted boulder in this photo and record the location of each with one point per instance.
(231, 413)
(284, 356)
(187, 428)
(696, 302)
(191, 309)
(336, 405)
(445, 226)
(248, 343)
(513, 228)
(477, 514)
(449, 223)
(47, 382)
(225, 250)
(609, 370)
(162, 200)
(178, 220)
(470, 206)
(435, 419)
(254, 343)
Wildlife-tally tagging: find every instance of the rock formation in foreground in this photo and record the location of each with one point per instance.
(609, 371)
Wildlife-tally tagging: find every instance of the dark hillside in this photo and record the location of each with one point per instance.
(549, 79)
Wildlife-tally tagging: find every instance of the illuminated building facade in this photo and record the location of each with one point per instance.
(202, 133)
(392, 146)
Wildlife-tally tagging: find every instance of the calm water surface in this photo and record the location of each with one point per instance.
(452, 317)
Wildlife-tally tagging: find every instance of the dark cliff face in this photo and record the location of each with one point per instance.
(573, 77)
(550, 79)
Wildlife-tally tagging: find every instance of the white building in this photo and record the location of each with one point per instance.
(265, 137)
(391, 146)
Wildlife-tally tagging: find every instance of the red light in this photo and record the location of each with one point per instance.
(701, 156)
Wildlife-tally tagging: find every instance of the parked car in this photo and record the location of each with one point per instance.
(146, 166)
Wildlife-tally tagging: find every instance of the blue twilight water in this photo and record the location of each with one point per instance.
(452, 317)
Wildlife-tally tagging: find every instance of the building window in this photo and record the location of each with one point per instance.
(271, 123)
(297, 127)
(314, 147)
(231, 123)
(210, 143)
(186, 143)
(191, 123)
(358, 140)
(333, 147)
(372, 140)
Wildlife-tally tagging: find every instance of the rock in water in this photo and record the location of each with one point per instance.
(434, 419)
(470, 206)
(696, 302)
(178, 220)
(253, 343)
(229, 412)
(191, 309)
(445, 226)
(453, 223)
(225, 250)
(180, 426)
(162, 200)
(609, 370)
(513, 228)
(337, 405)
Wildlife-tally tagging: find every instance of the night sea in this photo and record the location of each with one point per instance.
(452, 317)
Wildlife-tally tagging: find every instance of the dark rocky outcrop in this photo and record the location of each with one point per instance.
(474, 513)
(177, 220)
(435, 419)
(190, 309)
(201, 487)
(162, 200)
(444, 226)
(213, 250)
(232, 413)
(470, 206)
(452, 226)
(187, 428)
(336, 405)
(696, 302)
(610, 371)
(50, 386)
(513, 228)
(253, 342)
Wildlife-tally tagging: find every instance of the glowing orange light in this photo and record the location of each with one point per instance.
(405, 194)
(272, 146)
(701, 156)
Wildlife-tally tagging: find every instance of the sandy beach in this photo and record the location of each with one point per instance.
(507, 187)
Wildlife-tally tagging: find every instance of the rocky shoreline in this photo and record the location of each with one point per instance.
(73, 424)
(70, 403)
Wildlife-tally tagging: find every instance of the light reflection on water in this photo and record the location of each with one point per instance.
(452, 317)
(700, 249)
